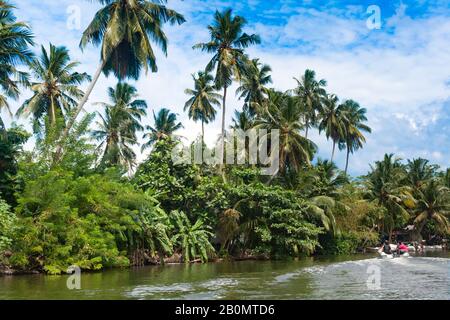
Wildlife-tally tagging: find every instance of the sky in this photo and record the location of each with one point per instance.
(399, 72)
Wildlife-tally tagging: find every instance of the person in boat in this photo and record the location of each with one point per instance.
(402, 248)
(386, 248)
(416, 246)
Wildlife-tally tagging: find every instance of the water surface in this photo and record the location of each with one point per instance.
(345, 277)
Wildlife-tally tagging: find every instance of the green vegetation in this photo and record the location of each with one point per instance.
(80, 197)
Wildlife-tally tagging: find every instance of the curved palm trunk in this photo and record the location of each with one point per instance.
(418, 230)
(334, 148)
(80, 106)
(346, 162)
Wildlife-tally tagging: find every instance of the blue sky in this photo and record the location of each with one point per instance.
(400, 72)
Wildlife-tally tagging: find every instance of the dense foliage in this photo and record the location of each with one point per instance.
(71, 202)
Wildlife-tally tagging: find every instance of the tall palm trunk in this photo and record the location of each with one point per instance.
(222, 136)
(203, 133)
(346, 162)
(80, 106)
(332, 153)
(307, 128)
(53, 112)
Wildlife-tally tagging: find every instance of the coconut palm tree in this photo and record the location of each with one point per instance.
(253, 86)
(118, 126)
(321, 186)
(15, 39)
(353, 119)
(419, 172)
(323, 179)
(203, 100)
(432, 203)
(227, 43)
(383, 187)
(165, 126)
(331, 121)
(310, 92)
(446, 178)
(125, 30)
(243, 120)
(55, 88)
(283, 114)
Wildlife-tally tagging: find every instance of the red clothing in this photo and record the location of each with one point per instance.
(402, 247)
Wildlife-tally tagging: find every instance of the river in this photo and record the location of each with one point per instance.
(343, 277)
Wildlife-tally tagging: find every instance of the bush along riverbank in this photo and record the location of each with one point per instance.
(77, 214)
(80, 197)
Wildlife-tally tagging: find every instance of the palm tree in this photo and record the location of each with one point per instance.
(203, 100)
(321, 186)
(324, 179)
(331, 121)
(419, 172)
(15, 39)
(243, 120)
(383, 187)
(353, 119)
(446, 178)
(310, 92)
(124, 29)
(192, 238)
(432, 203)
(165, 126)
(321, 208)
(55, 89)
(227, 43)
(283, 114)
(118, 127)
(253, 86)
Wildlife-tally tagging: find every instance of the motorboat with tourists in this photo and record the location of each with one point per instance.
(393, 255)
(390, 251)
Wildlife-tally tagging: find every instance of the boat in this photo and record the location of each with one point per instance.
(393, 255)
(386, 256)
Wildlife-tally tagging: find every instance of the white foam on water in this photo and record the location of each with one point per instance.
(318, 270)
(434, 259)
(216, 284)
(314, 270)
(143, 291)
(287, 276)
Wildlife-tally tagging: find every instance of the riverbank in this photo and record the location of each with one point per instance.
(176, 259)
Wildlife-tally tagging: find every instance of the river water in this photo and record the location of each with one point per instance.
(344, 277)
